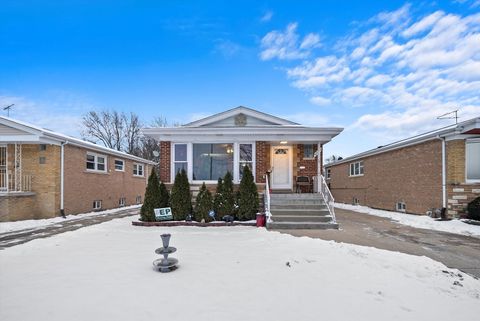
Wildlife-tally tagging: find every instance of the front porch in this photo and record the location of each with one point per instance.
(14, 178)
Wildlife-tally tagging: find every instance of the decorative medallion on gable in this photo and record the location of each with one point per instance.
(240, 120)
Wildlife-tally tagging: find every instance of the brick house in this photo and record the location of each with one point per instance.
(429, 171)
(45, 174)
(228, 141)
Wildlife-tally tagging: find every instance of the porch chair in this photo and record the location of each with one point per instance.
(303, 181)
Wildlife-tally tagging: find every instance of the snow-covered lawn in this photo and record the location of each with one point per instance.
(420, 221)
(33, 224)
(104, 272)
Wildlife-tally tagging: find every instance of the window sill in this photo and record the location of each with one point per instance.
(90, 171)
(120, 170)
(139, 176)
(359, 175)
(309, 158)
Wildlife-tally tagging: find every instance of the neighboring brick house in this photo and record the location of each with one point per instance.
(209, 147)
(45, 174)
(429, 171)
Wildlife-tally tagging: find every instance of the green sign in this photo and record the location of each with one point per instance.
(163, 214)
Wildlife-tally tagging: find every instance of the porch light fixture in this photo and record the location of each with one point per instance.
(283, 142)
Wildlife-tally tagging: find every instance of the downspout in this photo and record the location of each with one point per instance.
(62, 175)
(444, 172)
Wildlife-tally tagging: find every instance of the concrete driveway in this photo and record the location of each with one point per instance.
(453, 250)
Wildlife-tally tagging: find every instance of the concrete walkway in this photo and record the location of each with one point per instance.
(453, 250)
(22, 236)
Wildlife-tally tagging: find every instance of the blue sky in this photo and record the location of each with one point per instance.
(382, 69)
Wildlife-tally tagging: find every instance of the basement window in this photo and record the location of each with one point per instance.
(138, 199)
(121, 202)
(97, 204)
(400, 207)
(356, 201)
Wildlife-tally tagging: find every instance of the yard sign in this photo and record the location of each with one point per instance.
(163, 214)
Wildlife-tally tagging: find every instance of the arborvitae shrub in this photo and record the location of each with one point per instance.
(181, 199)
(203, 204)
(164, 196)
(152, 198)
(218, 200)
(474, 209)
(228, 194)
(248, 196)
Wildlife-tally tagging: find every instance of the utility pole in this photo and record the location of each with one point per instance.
(8, 109)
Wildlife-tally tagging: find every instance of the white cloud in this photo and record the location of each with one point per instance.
(287, 44)
(320, 101)
(401, 69)
(267, 16)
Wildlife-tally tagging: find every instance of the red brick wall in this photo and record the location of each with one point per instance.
(82, 187)
(310, 164)
(262, 160)
(165, 158)
(411, 174)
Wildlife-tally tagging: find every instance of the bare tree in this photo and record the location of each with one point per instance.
(131, 133)
(103, 126)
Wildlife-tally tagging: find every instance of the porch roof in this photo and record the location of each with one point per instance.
(243, 124)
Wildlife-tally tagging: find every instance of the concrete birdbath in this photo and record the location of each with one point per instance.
(165, 264)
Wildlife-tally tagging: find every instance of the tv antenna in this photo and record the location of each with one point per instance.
(8, 109)
(450, 115)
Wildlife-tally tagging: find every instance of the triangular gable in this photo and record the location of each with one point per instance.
(240, 116)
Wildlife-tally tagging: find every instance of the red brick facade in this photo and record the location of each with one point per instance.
(412, 175)
(262, 160)
(165, 157)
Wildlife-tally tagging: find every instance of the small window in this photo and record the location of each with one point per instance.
(121, 202)
(180, 158)
(138, 199)
(119, 165)
(308, 151)
(42, 147)
(42, 160)
(97, 205)
(401, 207)
(138, 170)
(472, 157)
(356, 169)
(245, 158)
(328, 173)
(96, 162)
(355, 201)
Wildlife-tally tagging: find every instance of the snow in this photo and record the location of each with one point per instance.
(34, 224)
(420, 221)
(104, 272)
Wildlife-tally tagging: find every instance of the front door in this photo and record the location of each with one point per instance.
(281, 176)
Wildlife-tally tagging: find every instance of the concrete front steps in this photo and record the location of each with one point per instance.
(299, 211)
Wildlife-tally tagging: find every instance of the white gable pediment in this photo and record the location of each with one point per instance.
(240, 117)
(11, 131)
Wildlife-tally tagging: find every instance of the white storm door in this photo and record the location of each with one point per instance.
(281, 176)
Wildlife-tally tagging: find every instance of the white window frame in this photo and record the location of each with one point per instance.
(123, 165)
(5, 178)
(97, 204)
(95, 162)
(401, 207)
(328, 173)
(136, 168)
(313, 152)
(173, 161)
(138, 199)
(353, 173)
(470, 141)
(236, 160)
(122, 201)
